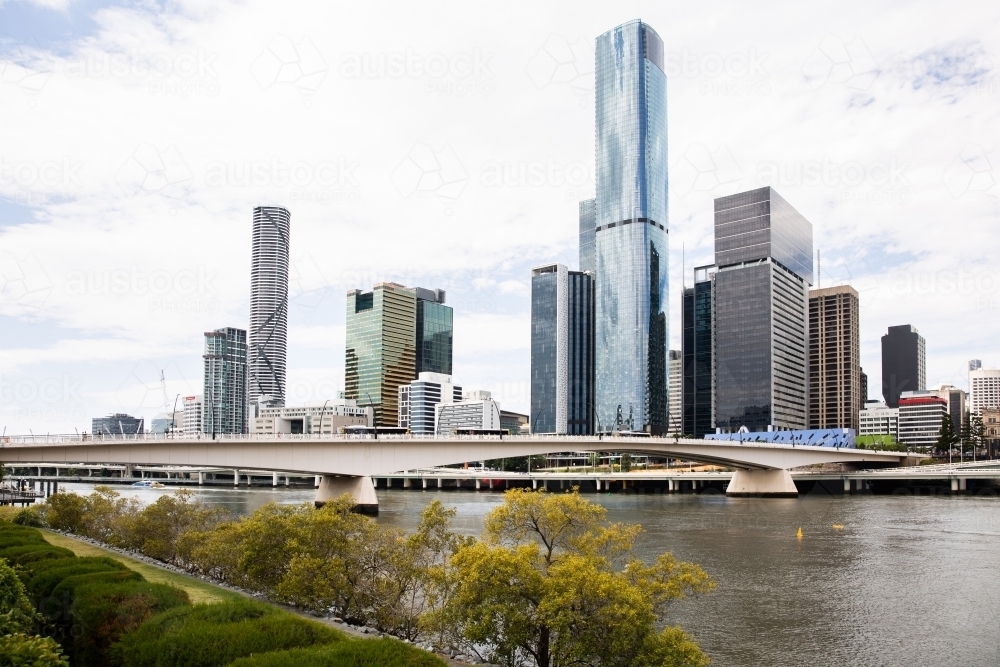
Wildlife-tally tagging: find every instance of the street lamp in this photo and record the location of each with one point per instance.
(321, 414)
(371, 404)
(173, 415)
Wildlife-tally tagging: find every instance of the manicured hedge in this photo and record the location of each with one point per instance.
(12, 535)
(28, 553)
(46, 577)
(351, 653)
(216, 634)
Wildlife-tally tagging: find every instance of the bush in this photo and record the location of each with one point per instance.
(20, 650)
(29, 553)
(12, 535)
(353, 653)
(29, 516)
(16, 613)
(45, 579)
(103, 612)
(64, 511)
(216, 634)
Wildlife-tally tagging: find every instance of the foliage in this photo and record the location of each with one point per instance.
(28, 516)
(553, 584)
(947, 438)
(885, 442)
(156, 528)
(16, 612)
(625, 463)
(217, 634)
(21, 650)
(28, 553)
(517, 463)
(366, 653)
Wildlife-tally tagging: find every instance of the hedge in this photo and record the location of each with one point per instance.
(352, 653)
(44, 579)
(28, 553)
(216, 634)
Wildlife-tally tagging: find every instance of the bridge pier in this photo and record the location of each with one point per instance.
(408, 483)
(201, 478)
(361, 489)
(274, 479)
(477, 484)
(762, 484)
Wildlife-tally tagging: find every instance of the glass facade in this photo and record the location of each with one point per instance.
(631, 231)
(269, 304)
(763, 249)
(698, 350)
(588, 241)
(224, 409)
(903, 363)
(580, 394)
(381, 347)
(435, 332)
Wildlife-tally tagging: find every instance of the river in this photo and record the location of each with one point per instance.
(906, 581)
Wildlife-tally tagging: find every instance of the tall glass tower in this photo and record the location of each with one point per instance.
(225, 400)
(268, 335)
(631, 230)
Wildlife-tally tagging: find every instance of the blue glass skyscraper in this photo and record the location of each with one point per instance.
(631, 230)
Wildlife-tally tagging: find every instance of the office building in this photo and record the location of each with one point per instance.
(326, 418)
(562, 350)
(864, 387)
(192, 415)
(698, 354)
(476, 411)
(877, 418)
(984, 389)
(991, 431)
(514, 423)
(763, 251)
(631, 230)
(921, 414)
(435, 330)
(835, 392)
(167, 422)
(674, 396)
(225, 397)
(588, 238)
(381, 351)
(117, 424)
(903, 363)
(268, 333)
(418, 398)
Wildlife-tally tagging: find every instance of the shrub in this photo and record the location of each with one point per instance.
(16, 613)
(45, 579)
(12, 535)
(217, 634)
(28, 516)
(354, 653)
(28, 553)
(20, 650)
(64, 511)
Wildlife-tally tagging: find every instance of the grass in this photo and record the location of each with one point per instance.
(196, 589)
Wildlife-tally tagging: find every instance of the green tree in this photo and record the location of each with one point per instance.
(977, 434)
(947, 438)
(625, 462)
(156, 529)
(17, 615)
(553, 584)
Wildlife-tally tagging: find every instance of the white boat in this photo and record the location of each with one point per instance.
(148, 484)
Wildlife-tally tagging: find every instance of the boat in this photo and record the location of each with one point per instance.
(148, 484)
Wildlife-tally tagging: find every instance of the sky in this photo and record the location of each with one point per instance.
(447, 145)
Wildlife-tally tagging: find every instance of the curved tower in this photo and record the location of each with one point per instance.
(268, 335)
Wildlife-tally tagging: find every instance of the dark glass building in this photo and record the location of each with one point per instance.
(763, 251)
(588, 238)
(225, 399)
(435, 332)
(117, 424)
(903, 363)
(698, 354)
(562, 350)
(631, 230)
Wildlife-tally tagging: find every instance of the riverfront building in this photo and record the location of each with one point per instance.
(877, 418)
(326, 418)
(904, 367)
(192, 414)
(268, 334)
(698, 354)
(921, 414)
(631, 230)
(225, 396)
(118, 424)
(763, 251)
(675, 383)
(984, 389)
(835, 393)
(476, 411)
(514, 422)
(418, 398)
(562, 350)
(435, 332)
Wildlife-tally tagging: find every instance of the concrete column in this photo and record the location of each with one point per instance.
(407, 483)
(55, 488)
(236, 478)
(762, 484)
(287, 478)
(534, 483)
(39, 471)
(954, 484)
(477, 484)
(424, 480)
(439, 482)
(847, 485)
(598, 481)
(274, 479)
(361, 489)
(562, 484)
(201, 478)
(316, 482)
(961, 484)
(670, 486)
(491, 483)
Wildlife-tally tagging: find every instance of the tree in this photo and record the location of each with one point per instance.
(947, 438)
(553, 584)
(625, 463)
(977, 434)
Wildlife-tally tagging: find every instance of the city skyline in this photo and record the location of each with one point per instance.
(70, 244)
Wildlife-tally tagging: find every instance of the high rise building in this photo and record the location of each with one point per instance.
(957, 404)
(224, 409)
(117, 424)
(920, 416)
(903, 363)
(835, 394)
(588, 238)
(876, 418)
(674, 361)
(698, 353)
(864, 387)
(562, 350)
(631, 230)
(763, 251)
(268, 334)
(984, 389)
(381, 351)
(193, 406)
(418, 398)
(435, 330)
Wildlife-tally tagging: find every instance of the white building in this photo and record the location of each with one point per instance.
(477, 410)
(168, 422)
(984, 389)
(326, 418)
(191, 417)
(920, 416)
(674, 392)
(878, 419)
(418, 399)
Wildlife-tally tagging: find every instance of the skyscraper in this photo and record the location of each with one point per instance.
(562, 350)
(903, 363)
(631, 230)
(763, 250)
(435, 330)
(224, 404)
(835, 394)
(268, 339)
(984, 389)
(674, 411)
(418, 398)
(381, 351)
(698, 354)
(588, 238)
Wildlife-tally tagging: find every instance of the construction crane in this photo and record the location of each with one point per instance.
(163, 386)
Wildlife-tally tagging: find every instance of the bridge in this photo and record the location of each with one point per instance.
(347, 463)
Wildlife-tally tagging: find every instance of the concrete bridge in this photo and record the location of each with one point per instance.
(348, 463)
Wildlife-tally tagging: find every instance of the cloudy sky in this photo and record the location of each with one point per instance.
(447, 145)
